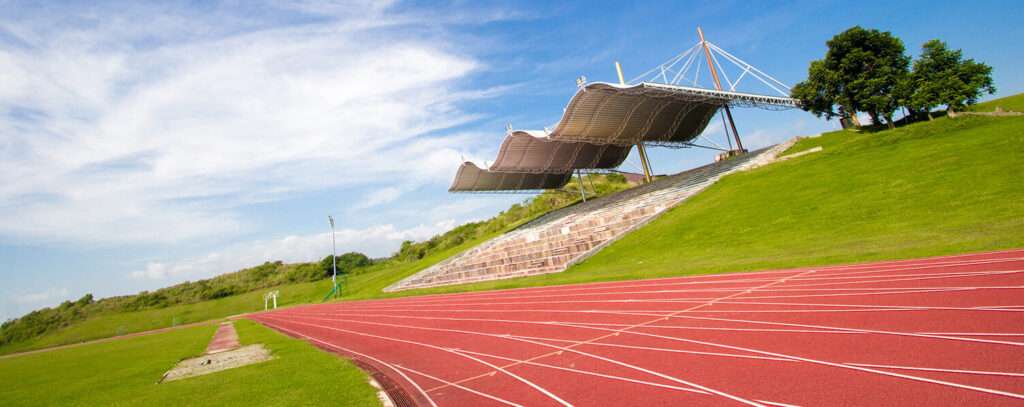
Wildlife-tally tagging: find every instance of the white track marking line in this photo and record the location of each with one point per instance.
(914, 307)
(521, 321)
(626, 379)
(658, 282)
(875, 291)
(864, 279)
(825, 272)
(775, 403)
(560, 348)
(973, 333)
(642, 300)
(937, 261)
(588, 372)
(873, 331)
(547, 291)
(931, 369)
(514, 376)
(407, 378)
(832, 364)
(780, 355)
(459, 386)
(694, 352)
(899, 279)
(520, 378)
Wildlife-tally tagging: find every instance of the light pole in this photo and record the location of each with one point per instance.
(334, 256)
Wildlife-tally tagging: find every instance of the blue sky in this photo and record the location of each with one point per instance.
(143, 145)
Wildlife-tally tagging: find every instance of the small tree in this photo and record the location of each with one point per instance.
(942, 77)
(860, 73)
(346, 263)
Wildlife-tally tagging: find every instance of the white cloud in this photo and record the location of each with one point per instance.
(108, 139)
(375, 241)
(379, 197)
(48, 296)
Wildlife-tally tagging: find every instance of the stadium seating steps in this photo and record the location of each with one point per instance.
(555, 241)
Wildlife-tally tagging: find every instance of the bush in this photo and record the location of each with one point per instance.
(616, 178)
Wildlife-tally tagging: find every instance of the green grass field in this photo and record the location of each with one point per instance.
(931, 188)
(366, 284)
(1014, 103)
(934, 188)
(939, 187)
(125, 372)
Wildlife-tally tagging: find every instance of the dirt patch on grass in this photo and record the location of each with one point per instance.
(211, 363)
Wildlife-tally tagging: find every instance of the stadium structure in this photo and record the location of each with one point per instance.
(599, 128)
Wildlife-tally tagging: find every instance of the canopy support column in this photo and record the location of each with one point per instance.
(718, 86)
(579, 183)
(639, 145)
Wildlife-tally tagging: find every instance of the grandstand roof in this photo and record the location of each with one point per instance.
(526, 152)
(471, 178)
(605, 113)
(597, 130)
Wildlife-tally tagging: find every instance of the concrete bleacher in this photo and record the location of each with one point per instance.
(554, 241)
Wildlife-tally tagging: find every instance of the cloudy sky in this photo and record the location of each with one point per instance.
(142, 145)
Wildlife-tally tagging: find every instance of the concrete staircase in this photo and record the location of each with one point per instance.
(555, 241)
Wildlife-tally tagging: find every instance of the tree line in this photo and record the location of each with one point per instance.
(867, 70)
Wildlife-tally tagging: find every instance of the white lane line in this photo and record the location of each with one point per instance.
(873, 331)
(832, 364)
(660, 282)
(775, 403)
(527, 382)
(560, 348)
(936, 261)
(346, 350)
(459, 386)
(521, 321)
(692, 352)
(890, 306)
(821, 362)
(900, 279)
(520, 378)
(974, 333)
(932, 369)
(562, 290)
(862, 279)
(825, 272)
(588, 373)
(903, 290)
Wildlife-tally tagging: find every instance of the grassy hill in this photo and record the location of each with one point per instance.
(939, 187)
(1013, 103)
(125, 372)
(932, 188)
(242, 291)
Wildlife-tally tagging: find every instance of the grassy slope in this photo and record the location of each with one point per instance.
(1014, 103)
(934, 188)
(125, 372)
(927, 189)
(366, 284)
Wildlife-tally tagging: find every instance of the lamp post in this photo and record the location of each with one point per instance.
(334, 255)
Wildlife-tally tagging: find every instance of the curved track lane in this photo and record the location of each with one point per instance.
(938, 331)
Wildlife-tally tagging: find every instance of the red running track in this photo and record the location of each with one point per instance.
(937, 331)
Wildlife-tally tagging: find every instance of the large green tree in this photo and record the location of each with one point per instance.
(861, 72)
(942, 77)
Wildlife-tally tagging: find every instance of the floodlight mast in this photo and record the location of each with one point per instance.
(334, 254)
